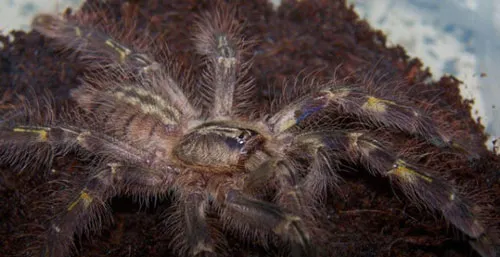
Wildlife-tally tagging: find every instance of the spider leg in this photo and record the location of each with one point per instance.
(267, 215)
(222, 50)
(352, 100)
(65, 138)
(99, 49)
(290, 197)
(415, 181)
(193, 236)
(85, 210)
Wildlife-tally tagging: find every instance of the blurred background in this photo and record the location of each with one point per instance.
(457, 37)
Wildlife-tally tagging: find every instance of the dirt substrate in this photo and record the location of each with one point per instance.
(366, 216)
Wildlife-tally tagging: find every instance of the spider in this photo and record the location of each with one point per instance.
(146, 132)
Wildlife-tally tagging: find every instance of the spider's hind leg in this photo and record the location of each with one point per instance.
(265, 216)
(416, 182)
(292, 198)
(193, 235)
(78, 210)
(81, 208)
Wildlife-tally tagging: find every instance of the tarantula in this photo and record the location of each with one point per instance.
(146, 133)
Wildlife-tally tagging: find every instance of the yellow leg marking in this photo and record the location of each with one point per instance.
(78, 32)
(288, 124)
(85, 197)
(336, 93)
(354, 137)
(222, 42)
(292, 193)
(81, 137)
(283, 226)
(401, 170)
(122, 51)
(42, 133)
(113, 167)
(376, 104)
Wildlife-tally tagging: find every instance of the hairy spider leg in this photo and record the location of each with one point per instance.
(75, 217)
(83, 213)
(99, 49)
(417, 183)
(290, 197)
(265, 215)
(353, 100)
(198, 233)
(218, 43)
(67, 137)
(85, 210)
(24, 147)
(102, 51)
(192, 234)
(321, 173)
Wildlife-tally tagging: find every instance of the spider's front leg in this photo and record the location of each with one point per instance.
(415, 181)
(355, 101)
(222, 82)
(64, 138)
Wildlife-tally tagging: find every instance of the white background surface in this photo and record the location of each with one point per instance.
(17, 14)
(457, 37)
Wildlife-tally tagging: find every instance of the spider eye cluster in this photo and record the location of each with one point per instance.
(240, 140)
